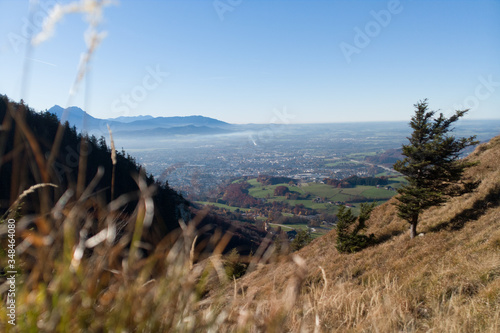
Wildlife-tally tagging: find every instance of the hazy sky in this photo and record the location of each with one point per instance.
(260, 61)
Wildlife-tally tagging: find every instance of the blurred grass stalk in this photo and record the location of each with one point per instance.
(70, 279)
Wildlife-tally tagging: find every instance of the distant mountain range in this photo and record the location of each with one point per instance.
(144, 126)
(123, 119)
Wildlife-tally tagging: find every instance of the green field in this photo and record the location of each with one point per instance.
(341, 162)
(262, 191)
(230, 208)
(322, 191)
(310, 191)
(360, 156)
(400, 179)
(390, 174)
(253, 182)
(314, 190)
(288, 227)
(319, 231)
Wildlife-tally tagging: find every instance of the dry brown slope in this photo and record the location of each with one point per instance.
(448, 280)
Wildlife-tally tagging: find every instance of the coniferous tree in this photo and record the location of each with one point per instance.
(351, 240)
(302, 238)
(432, 166)
(345, 220)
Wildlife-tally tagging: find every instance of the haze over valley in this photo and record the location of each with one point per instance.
(195, 154)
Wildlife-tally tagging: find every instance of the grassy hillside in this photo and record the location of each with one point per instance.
(447, 280)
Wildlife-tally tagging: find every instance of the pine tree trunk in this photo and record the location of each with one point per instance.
(413, 230)
(413, 227)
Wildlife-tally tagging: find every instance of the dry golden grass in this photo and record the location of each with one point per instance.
(446, 281)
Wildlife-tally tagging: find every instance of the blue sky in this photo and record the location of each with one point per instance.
(256, 61)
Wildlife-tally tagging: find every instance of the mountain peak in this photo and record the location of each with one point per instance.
(73, 110)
